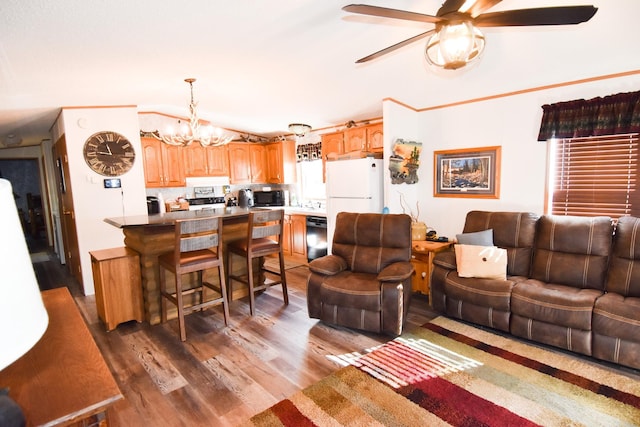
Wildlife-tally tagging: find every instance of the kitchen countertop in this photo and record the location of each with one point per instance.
(170, 218)
(297, 210)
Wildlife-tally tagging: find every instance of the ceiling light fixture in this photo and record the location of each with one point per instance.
(454, 45)
(206, 135)
(299, 129)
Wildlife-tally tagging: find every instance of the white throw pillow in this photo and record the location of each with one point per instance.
(486, 262)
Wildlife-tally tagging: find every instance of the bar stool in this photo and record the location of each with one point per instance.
(264, 237)
(198, 247)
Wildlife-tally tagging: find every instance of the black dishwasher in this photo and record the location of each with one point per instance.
(316, 237)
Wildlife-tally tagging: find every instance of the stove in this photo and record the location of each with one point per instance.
(199, 203)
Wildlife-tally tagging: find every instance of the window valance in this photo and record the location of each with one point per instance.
(308, 152)
(609, 115)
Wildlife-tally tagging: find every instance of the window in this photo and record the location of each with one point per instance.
(595, 175)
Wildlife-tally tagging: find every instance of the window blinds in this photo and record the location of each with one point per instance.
(596, 176)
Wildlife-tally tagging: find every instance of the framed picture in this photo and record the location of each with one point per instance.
(469, 172)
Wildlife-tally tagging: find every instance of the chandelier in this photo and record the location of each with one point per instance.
(206, 135)
(454, 45)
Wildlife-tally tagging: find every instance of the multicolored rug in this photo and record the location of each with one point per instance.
(450, 373)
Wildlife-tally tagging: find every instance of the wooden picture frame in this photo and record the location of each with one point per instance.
(468, 172)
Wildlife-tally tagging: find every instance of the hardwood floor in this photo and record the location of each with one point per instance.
(221, 375)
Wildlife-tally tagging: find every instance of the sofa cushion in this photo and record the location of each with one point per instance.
(572, 251)
(513, 231)
(560, 305)
(617, 316)
(348, 289)
(623, 276)
(479, 238)
(494, 293)
(488, 262)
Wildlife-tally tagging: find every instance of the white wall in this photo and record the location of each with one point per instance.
(92, 202)
(511, 122)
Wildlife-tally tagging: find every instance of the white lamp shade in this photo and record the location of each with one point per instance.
(23, 317)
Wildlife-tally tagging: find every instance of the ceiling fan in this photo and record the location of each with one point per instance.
(456, 40)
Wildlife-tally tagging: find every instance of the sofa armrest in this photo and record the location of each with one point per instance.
(396, 272)
(446, 260)
(328, 265)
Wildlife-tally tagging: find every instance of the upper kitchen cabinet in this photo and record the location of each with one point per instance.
(206, 161)
(364, 138)
(163, 164)
(281, 162)
(258, 170)
(375, 140)
(332, 144)
(239, 163)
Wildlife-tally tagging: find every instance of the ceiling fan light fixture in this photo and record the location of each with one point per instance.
(454, 45)
(299, 129)
(194, 131)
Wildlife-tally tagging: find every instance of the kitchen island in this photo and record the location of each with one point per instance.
(152, 235)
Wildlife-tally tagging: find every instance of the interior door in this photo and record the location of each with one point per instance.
(67, 214)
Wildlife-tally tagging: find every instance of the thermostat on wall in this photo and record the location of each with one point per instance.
(112, 183)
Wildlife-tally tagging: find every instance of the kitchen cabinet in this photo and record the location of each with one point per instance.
(355, 139)
(375, 140)
(239, 163)
(163, 164)
(280, 161)
(258, 163)
(206, 161)
(332, 143)
(294, 243)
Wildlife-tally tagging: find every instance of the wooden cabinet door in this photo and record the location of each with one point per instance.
(239, 164)
(299, 236)
(274, 163)
(152, 159)
(332, 143)
(173, 164)
(258, 163)
(218, 161)
(355, 139)
(195, 160)
(375, 141)
(286, 235)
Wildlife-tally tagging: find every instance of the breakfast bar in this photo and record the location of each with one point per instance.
(152, 235)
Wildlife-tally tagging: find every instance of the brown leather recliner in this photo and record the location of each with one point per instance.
(366, 282)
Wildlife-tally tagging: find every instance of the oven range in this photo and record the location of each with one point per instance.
(206, 203)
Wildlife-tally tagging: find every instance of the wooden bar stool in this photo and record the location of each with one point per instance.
(198, 247)
(264, 237)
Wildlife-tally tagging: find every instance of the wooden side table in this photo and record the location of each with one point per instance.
(116, 276)
(422, 253)
(63, 380)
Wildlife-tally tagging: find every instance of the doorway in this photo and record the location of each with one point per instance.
(24, 175)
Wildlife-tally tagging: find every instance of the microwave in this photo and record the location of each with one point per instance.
(268, 198)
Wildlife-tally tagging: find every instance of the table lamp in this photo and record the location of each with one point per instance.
(23, 317)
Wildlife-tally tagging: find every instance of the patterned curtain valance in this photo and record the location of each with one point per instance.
(306, 152)
(613, 114)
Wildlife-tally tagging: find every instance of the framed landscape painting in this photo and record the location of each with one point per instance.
(468, 172)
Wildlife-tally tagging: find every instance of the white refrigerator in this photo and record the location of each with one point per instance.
(353, 185)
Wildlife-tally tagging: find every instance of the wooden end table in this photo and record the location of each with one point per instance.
(422, 253)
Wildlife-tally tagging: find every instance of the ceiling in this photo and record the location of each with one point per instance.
(263, 64)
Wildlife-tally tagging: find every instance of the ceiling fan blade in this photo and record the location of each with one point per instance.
(384, 12)
(394, 47)
(561, 15)
(450, 6)
(481, 5)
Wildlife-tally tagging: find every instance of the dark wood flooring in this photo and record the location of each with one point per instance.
(220, 376)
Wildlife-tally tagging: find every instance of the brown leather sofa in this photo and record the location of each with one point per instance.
(569, 284)
(365, 283)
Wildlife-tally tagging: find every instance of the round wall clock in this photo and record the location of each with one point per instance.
(109, 153)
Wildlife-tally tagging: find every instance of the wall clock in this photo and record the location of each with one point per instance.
(109, 153)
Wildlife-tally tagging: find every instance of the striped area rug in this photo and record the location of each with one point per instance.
(449, 373)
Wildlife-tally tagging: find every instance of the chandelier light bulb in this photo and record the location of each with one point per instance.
(454, 45)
